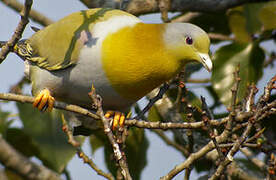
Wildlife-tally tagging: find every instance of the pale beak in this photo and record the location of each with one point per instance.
(206, 61)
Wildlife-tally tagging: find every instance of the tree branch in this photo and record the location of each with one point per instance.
(233, 168)
(18, 31)
(152, 101)
(89, 161)
(34, 15)
(139, 7)
(118, 153)
(131, 122)
(67, 130)
(194, 156)
(22, 165)
(164, 107)
(58, 105)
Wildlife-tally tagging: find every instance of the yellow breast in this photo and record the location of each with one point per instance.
(136, 61)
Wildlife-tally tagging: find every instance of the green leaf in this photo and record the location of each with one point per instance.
(135, 149)
(4, 123)
(226, 59)
(267, 15)
(97, 140)
(250, 167)
(191, 98)
(251, 11)
(153, 115)
(47, 136)
(11, 175)
(206, 22)
(203, 165)
(237, 24)
(21, 141)
(249, 19)
(203, 177)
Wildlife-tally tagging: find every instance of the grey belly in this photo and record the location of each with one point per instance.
(72, 85)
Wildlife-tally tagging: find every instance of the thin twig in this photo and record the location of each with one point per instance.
(221, 37)
(187, 17)
(233, 169)
(164, 6)
(160, 94)
(210, 146)
(229, 145)
(139, 7)
(34, 15)
(250, 155)
(239, 117)
(195, 156)
(271, 167)
(207, 80)
(267, 91)
(252, 120)
(207, 116)
(67, 130)
(187, 174)
(90, 162)
(228, 127)
(107, 130)
(169, 142)
(231, 153)
(17, 88)
(248, 104)
(18, 31)
(81, 154)
(270, 60)
(171, 125)
(257, 135)
(134, 122)
(58, 105)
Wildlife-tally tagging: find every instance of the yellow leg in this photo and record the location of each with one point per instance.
(44, 99)
(118, 119)
(122, 120)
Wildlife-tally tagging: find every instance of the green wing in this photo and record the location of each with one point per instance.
(58, 45)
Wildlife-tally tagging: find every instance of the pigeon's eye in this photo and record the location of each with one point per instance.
(189, 40)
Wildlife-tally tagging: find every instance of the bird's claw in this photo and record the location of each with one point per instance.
(44, 101)
(118, 119)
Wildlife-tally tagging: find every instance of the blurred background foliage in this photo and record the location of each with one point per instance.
(251, 34)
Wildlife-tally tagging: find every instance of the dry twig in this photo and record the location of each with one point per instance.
(18, 31)
(206, 117)
(67, 130)
(164, 6)
(259, 111)
(152, 101)
(90, 162)
(34, 15)
(249, 154)
(139, 7)
(262, 107)
(118, 153)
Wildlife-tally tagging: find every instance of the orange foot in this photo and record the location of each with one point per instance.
(44, 101)
(118, 119)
